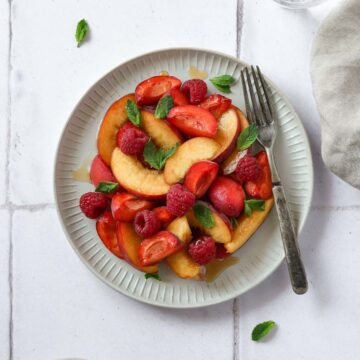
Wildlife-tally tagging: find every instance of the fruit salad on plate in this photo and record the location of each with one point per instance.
(178, 178)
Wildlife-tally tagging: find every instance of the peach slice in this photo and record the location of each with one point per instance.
(181, 262)
(247, 225)
(220, 232)
(188, 153)
(243, 125)
(129, 243)
(181, 228)
(159, 131)
(227, 134)
(115, 117)
(135, 178)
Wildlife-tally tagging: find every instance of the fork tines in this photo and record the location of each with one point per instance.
(257, 96)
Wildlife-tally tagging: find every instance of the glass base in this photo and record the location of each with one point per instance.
(298, 4)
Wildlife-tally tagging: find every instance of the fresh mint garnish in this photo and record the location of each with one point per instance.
(133, 113)
(153, 276)
(155, 157)
(106, 187)
(204, 215)
(247, 137)
(234, 222)
(262, 330)
(82, 29)
(254, 204)
(163, 107)
(223, 83)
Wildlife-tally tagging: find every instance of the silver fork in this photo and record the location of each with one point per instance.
(260, 112)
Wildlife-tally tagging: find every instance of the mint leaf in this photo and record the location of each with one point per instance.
(153, 276)
(223, 82)
(82, 29)
(133, 113)
(106, 187)
(254, 204)
(204, 215)
(234, 222)
(262, 330)
(156, 158)
(247, 137)
(164, 106)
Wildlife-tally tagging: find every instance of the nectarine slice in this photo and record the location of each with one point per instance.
(115, 117)
(186, 155)
(129, 243)
(159, 131)
(181, 228)
(246, 227)
(227, 134)
(220, 232)
(134, 177)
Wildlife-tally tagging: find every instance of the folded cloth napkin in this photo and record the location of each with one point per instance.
(335, 72)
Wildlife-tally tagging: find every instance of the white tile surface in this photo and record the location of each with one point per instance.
(4, 284)
(279, 40)
(4, 60)
(323, 324)
(51, 74)
(62, 311)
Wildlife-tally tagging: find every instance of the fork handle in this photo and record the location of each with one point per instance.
(289, 238)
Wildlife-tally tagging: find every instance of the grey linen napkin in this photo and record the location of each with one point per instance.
(335, 72)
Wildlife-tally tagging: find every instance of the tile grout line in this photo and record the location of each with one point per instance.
(235, 309)
(7, 184)
(239, 25)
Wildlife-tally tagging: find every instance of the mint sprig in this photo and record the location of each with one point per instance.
(155, 276)
(223, 83)
(247, 137)
(262, 330)
(253, 204)
(106, 187)
(82, 29)
(234, 222)
(155, 157)
(133, 113)
(204, 215)
(163, 107)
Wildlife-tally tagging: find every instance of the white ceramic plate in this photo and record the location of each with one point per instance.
(263, 252)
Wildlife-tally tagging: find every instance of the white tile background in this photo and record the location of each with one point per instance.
(64, 312)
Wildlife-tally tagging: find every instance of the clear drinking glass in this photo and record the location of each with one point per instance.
(298, 4)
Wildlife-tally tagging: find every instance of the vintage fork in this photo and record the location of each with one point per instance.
(260, 112)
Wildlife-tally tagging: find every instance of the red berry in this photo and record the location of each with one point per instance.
(221, 252)
(179, 200)
(93, 204)
(195, 89)
(132, 141)
(248, 169)
(146, 223)
(202, 250)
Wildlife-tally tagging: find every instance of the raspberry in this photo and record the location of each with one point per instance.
(93, 204)
(203, 250)
(131, 141)
(195, 89)
(146, 223)
(248, 169)
(179, 200)
(221, 252)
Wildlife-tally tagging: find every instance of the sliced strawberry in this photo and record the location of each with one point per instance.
(124, 206)
(179, 97)
(151, 90)
(200, 176)
(106, 229)
(164, 215)
(99, 171)
(262, 187)
(156, 248)
(216, 104)
(193, 121)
